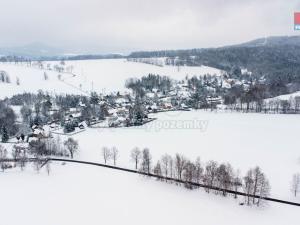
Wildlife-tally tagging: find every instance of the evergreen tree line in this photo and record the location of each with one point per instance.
(148, 83)
(8, 124)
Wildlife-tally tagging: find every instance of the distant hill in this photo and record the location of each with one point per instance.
(32, 50)
(40, 51)
(90, 57)
(276, 41)
(273, 41)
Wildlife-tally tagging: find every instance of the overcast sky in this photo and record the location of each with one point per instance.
(125, 25)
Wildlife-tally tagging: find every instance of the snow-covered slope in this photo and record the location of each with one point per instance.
(76, 195)
(31, 80)
(286, 97)
(104, 76)
(110, 75)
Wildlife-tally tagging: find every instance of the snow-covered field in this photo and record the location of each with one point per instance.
(245, 140)
(103, 76)
(76, 195)
(32, 80)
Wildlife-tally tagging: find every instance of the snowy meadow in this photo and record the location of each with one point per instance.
(79, 194)
(74, 194)
(244, 140)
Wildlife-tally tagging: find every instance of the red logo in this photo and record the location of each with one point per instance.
(297, 21)
(297, 18)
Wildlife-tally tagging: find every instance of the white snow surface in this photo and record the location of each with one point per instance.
(103, 76)
(244, 140)
(80, 194)
(32, 80)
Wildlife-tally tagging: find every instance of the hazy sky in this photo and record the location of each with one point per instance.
(125, 25)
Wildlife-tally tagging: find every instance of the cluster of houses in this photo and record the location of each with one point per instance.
(122, 110)
(118, 110)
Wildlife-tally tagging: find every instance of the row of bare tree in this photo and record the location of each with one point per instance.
(211, 174)
(285, 106)
(110, 154)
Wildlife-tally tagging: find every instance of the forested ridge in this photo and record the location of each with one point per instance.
(275, 59)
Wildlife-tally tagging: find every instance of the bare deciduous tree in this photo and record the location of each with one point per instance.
(16, 152)
(36, 163)
(256, 184)
(45, 76)
(157, 169)
(237, 183)
(106, 154)
(165, 161)
(115, 154)
(198, 171)
(248, 185)
(146, 161)
(18, 81)
(224, 177)
(136, 156)
(72, 146)
(48, 167)
(210, 173)
(295, 186)
(257, 176)
(189, 174)
(3, 157)
(180, 162)
(23, 159)
(264, 188)
(171, 165)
